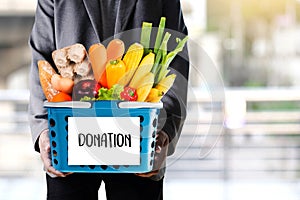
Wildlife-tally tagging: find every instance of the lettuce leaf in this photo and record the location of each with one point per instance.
(107, 94)
(110, 94)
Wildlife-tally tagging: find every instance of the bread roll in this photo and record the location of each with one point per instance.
(76, 53)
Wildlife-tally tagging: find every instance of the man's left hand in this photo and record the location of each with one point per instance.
(161, 149)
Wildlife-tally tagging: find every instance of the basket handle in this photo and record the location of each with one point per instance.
(86, 104)
(136, 104)
(68, 104)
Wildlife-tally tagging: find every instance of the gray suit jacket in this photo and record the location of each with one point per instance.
(65, 22)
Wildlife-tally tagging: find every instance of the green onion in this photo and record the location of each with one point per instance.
(145, 36)
(169, 58)
(161, 54)
(159, 35)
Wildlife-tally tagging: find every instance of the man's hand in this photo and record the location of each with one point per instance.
(44, 144)
(161, 149)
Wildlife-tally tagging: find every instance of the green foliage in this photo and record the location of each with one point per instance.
(221, 12)
(274, 106)
(264, 9)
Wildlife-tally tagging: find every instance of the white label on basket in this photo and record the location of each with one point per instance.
(103, 141)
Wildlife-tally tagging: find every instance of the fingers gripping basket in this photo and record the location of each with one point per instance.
(103, 136)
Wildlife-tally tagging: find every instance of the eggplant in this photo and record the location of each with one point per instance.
(88, 88)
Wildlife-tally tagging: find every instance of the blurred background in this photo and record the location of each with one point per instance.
(242, 135)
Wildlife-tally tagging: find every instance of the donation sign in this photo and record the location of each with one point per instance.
(103, 141)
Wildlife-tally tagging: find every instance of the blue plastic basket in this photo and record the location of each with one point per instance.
(58, 114)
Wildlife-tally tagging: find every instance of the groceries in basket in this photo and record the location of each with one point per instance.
(109, 73)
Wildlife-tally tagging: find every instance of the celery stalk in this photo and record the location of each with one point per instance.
(159, 35)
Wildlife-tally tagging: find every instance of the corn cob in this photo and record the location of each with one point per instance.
(132, 60)
(125, 79)
(165, 84)
(143, 92)
(143, 69)
(154, 95)
(133, 56)
(157, 93)
(146, 83)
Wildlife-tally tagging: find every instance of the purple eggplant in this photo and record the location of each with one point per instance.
(88, 88)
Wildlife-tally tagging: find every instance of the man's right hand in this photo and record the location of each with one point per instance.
(44, 144)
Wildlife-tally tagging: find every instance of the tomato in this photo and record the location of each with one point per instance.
(61, 97)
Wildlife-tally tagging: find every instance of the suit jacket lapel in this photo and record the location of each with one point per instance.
(125, 10)
(92, 7)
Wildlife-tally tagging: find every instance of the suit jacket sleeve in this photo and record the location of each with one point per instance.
(174, 114)
(41, 43)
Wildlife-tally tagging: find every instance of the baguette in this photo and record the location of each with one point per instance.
(71, 61)
(45, 74)
(98, 58)
(76, 53)
(115, 49)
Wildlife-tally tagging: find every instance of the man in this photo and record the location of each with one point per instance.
(61, 23)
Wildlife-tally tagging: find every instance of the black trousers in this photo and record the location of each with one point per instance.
(85, 186)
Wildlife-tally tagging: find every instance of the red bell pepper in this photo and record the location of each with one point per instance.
(129, 94)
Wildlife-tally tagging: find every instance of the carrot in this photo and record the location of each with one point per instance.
(103, 80)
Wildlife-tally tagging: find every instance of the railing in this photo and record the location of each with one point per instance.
(265, 145)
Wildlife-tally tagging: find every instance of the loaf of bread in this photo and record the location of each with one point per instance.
(71, 61)
(46, 72)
